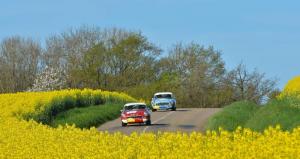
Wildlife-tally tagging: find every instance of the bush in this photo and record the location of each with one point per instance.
(282, 112)
(88, 116)
(59, 101)
(232, 116)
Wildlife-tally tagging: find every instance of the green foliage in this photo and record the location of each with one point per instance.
(119, 59)
(118, 64)
(167, 82)
(283, 112)
(232, 116)
(199, 72)
(75, 99)
(88, 116)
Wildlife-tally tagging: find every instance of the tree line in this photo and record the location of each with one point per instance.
(123, 60)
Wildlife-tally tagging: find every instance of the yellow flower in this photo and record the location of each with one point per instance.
(292, 88)
(29, 139)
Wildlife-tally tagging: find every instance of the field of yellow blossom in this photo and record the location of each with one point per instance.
(21, 138)
(292, 88)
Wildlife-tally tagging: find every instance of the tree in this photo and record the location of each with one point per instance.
(19, 63)
(200, 71)
(252, 86)
(123, 60)
(49, 79)
(128, 62)
(81, 51)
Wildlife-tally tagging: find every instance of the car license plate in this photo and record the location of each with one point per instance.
(163, 107)
(130, 120)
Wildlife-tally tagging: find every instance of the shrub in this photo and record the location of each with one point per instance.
(88, 116)
(58, 101)
(232, 116)
(282, 112)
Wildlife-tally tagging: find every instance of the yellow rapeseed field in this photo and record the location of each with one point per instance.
(28, 139)
(292, 88)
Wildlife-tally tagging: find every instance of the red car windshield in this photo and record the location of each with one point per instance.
(133, 107)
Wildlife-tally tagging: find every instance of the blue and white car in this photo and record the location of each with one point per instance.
(163, 101)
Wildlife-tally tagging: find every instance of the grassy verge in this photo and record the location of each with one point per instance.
(48, 104)
(236, 114)
(87, 117)
(282, 112)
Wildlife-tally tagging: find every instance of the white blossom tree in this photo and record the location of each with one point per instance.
(49, 79)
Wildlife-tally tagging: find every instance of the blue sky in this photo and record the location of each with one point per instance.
(264, 34)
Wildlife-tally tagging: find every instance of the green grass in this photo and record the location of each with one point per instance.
(282, 112)
(87, 117)
(285, 113)
(232, 116)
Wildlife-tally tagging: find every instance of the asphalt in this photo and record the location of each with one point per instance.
(183, 120)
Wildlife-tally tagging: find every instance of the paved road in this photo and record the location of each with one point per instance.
(185, 120)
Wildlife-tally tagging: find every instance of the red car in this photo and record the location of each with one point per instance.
(135, 113)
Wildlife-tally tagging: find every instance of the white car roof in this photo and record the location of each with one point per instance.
(160, 93)
(128, 104)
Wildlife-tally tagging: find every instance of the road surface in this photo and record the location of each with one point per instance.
(184, 120)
